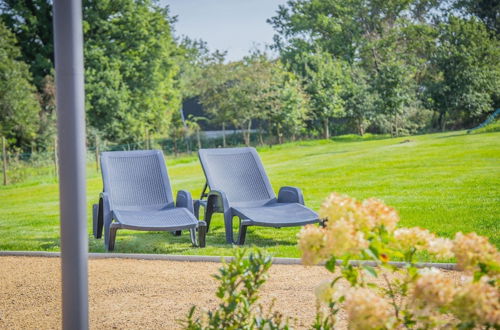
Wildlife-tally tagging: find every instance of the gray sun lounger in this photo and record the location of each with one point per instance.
(239, 187)
(137, 195)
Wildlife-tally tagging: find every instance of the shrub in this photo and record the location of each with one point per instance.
(239, 283)
(412, 298)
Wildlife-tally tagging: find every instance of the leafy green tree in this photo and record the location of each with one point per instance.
(466, 81)
(324, 83)
(340, 27)
(488, 11)
(213, 90)
(359, 99)
(287, 104)
(131, 66)
(31, 22)
(18, 102)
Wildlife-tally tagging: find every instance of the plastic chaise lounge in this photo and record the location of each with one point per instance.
(137, 195)
(239, 187)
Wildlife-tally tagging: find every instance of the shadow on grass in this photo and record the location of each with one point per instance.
(166, 243)
(451, 135)
(326, 153)
(358, 138)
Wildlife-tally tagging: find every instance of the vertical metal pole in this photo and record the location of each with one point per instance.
(68, 44)
(4, 160)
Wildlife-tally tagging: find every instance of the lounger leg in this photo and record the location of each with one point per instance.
(242, 234)
(95, 220)
(208, 215)
(98, 218)
(228, 223)
(202, 233)
(112, 236)
(192, 233)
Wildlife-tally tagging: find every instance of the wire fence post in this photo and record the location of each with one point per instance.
(97, 153)
(56, 160)
(4, 161)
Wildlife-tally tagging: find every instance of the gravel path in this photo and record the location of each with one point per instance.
(132, 294)
(140, 294)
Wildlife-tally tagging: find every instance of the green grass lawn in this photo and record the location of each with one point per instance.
(446, 182)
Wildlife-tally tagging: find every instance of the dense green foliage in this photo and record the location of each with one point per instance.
(418, 67)
(18, 103)
(131, 65)
(446, 182)
(130, 68)
(398, 67)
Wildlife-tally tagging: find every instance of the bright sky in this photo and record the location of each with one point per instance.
(233, 25)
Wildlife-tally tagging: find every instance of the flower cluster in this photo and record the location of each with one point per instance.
(477, 302)
(367, 310)
(421, 239)
(348, 225)
(432, 289)
(473, 251)
(364, 216)
(312, 243)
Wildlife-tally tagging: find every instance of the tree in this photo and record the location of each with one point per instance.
(359, 99)
(213, 91)
(130, 68)
(18, 103)
(287, 104)
(324, 83)
(340, 27)
(488, 11)
(130, 61)
(466, 81)
(31, 22)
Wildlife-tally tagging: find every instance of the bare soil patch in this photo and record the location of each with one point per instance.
(140, 294)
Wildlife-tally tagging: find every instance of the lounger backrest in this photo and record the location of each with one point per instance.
(238, 172)
(136, 179)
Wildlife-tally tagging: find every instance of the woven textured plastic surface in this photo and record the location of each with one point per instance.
(136, 182)
(238, 176)
(278, 214)
(173, 218)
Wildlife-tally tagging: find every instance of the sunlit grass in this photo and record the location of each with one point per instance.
(446, 182)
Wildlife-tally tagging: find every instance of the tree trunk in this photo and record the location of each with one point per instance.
(223, 134)
(246, 133)
(442, 121)
(361, 129)
(280, 135)
(326, 129)
(4, 158)
(261, 139)
(198, 138)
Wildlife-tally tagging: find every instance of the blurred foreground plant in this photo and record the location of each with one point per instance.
(239, 283)
(410, 298)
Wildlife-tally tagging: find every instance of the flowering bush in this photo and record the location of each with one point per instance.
(239, 284)
(411, 297)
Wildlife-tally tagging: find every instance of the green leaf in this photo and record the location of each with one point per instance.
(370, 270)
(331, 264)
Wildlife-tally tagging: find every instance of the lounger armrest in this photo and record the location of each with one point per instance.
(218, 201)
(289, 194)
(184, 199)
